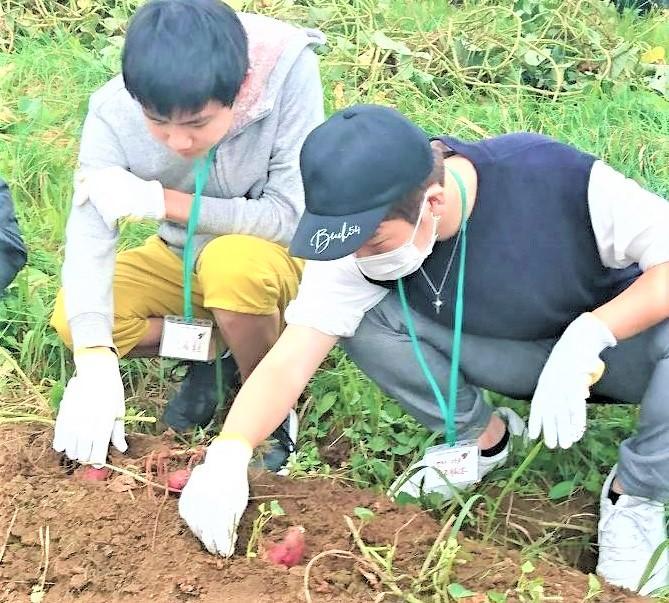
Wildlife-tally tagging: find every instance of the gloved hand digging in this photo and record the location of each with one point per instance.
(217, 493)
(92, 409)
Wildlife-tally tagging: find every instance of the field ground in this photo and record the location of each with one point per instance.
(116, 542)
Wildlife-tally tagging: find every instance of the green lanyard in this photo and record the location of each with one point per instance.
(447, 410)
(201, 169)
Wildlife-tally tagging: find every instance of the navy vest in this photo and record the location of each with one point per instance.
(532, 264)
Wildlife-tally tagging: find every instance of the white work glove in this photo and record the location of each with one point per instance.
(559, 402)
(116, 194)
(216, 495)
(92, 409)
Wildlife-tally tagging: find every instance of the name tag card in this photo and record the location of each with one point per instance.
(187, 339)
(459, 463)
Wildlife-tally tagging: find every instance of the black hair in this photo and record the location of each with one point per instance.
(181, 54)
(408, 207)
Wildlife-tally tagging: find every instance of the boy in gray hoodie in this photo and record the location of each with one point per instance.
(209, 95)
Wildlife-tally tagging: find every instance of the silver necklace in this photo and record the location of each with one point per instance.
(438, 303)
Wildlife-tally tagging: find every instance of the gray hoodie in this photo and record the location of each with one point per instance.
(254, 185)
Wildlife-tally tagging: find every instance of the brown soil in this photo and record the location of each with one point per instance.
(335, 450)
(109, 545)
(566, 529)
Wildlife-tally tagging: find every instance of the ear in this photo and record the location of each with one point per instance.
(436, 198)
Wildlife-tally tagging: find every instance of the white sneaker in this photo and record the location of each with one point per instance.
(422, 477)
(629, 533)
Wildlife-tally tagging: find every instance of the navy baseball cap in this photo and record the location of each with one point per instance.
(355, 166)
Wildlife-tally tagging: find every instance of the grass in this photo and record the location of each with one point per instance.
(468, 69)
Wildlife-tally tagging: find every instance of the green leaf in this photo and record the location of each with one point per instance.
(378, 443)
(592, 35)
(382, 470)
(32, 107)
(624, 59)
(594, 587)
(344, 44)
(561, 490)
(533, 58)
(325, 403)
(110, 56)
(363, 513)
(495, 597)
(527, 567)
(593, 481)
(457, 591)
(404, 498)
(467, 54)
(275, 509)
(422, 77)
(405, 72)
(324, 13)
(652, 563)
(56, 395)
(113, 25)
(402, 449)
(391, 414)
(381, 40)
(357, 460)
(402, 437)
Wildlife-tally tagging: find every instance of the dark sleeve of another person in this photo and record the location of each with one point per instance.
(13, 254)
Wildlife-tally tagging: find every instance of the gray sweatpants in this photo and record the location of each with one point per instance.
(637, 369)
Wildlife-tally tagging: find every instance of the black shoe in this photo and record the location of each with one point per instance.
(196, 401)
(275, 451)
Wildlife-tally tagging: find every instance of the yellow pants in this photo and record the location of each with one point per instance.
(238, 273)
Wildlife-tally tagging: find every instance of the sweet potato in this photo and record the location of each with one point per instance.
(290, 551)
(91, 474)
(176, 480)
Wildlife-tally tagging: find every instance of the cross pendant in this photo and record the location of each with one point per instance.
(437, 303)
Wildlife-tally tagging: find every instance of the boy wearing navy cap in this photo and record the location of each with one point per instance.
(567, 265)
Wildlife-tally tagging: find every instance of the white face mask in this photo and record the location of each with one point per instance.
(402, 261)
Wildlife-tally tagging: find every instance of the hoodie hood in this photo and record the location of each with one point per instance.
(273, 49)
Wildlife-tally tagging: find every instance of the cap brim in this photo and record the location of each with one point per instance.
(326, 238)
